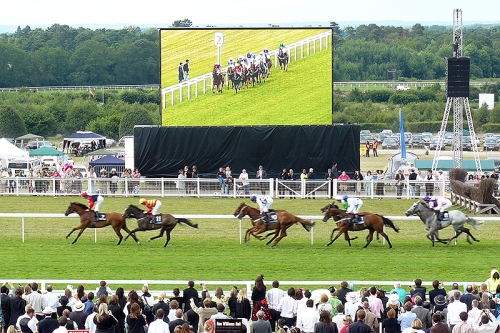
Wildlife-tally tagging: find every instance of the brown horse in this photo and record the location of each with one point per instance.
(168, 223)
(285, 221)
(87, 220)
(372, 222)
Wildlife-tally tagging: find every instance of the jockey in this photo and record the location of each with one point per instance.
(217, 69)
(439, 204)
(152, 205)
(96, 199)
(283, 47)
(231, 63)
(353, 206)
(249, 59)
(238, 69)
(344, 203)
(264, 202)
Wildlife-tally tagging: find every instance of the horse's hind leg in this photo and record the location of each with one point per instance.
(467, 231)
(282, 234)
(119, 234)
(369, 238)
(386, 238)
(276, 233)
(162, 231)
(73, 230)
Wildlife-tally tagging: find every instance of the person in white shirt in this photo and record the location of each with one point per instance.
(288, 307)
(28, 320)
(36, 300)
(62, 325)
(454, 310)
(159, 326)
(274, 296)
(50, 300)
(474, 313)
(244, 179)
(486, 323)
(308, 318)
(89, 322)
(103, 288)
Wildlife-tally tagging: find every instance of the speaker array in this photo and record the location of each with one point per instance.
(457, 80)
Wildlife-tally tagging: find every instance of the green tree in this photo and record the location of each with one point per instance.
(11, 124)
(135, 116)
(108, 126)
(185, 23)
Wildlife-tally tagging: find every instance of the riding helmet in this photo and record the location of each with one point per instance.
(84, 194)
(142, 200)
(253, 198)
(345, 197)
(338, 198)
(426, 198)
(249, 55)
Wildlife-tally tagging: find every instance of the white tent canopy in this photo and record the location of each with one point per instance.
(8, 150)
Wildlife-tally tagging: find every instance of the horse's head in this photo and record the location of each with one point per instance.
(416, 207)
(75, 207)
(328, 213)
(132, 211)
(240, 210)
(327, 207)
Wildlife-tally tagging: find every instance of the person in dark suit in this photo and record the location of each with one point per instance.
(359, 326)
(188, 293)
(261, 325)
(17, 304)
(329, 177)
(177, 322)
(342, 292)
(438, 326)
(5, 300)
(47, 324)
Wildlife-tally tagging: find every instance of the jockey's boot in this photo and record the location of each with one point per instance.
(265, 218)
(441, 216)
(96, 215)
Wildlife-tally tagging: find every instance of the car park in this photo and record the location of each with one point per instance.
(381, 136)
(363, 132)
(434, 144)
(364, 138)
(417, 141)
(38, 144)
(388, 131)
(488, 136)
(448, 138)
(492, 143)
(21, 167)
(390, 143)
(466, 143)
(427, 137)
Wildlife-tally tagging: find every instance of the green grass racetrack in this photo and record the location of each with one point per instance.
(213, 252)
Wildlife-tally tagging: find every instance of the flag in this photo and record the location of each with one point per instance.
(402, 133)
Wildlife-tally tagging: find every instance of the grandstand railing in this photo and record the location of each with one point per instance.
(211, 187)
(200, 83)
(153, 285)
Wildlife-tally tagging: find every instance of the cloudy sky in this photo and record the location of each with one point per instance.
(43, 13)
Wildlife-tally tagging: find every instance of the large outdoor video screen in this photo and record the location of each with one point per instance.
(299, 93)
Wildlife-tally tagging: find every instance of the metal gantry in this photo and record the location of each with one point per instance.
(458, 104)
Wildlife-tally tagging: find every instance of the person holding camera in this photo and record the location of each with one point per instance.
(486, 323)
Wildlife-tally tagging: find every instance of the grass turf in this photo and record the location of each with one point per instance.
(213, 252)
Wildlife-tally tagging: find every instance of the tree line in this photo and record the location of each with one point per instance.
(62, 55)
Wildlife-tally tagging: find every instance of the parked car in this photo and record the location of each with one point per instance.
(492, 143)
(362, 132)
(427, 136)
(110, 143)
(381, 136)
(408, 136)
(434, 144)
(466, 143)
(488, 136)
(364, 138)
(448, 138)
(417, 141)
(387, 131)
(38, 144)
(390, 143)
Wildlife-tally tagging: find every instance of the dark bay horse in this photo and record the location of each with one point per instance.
(168, 223)
(285, 221)
(457, 219)
(372, 223)
(87, 221)
(217, 82)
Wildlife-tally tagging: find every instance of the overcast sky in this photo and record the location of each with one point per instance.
(43, 13)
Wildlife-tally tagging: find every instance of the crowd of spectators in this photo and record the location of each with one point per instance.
(103, 310)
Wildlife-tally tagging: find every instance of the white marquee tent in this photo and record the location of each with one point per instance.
(8, 150)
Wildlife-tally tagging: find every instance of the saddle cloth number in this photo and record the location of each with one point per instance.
(273, 216)
(157, 218)
(446, 215)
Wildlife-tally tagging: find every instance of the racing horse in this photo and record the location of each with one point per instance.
(254, 73)
(372, 222)
(168, 223)
(230, 75)
(217, 82)
(283, 59)
(264, 71)
(285, 221)
(87, 221)
(457, 219)
(237, 79)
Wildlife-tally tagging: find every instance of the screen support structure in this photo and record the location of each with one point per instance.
(459, 104)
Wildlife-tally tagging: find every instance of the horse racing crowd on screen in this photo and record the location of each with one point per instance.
(462, 309)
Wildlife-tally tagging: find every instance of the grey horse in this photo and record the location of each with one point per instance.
(432, 224)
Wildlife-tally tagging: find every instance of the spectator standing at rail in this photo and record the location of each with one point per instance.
(244, 180)
(261, 174)
(181, 72)
(50, 300)
(274, 296)
(188, 293)
(259, 298)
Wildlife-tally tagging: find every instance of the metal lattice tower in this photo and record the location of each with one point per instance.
(458, 104)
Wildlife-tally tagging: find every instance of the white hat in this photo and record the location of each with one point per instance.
(113, 170)
(352, 297)
(79, 306)
(393, 299)
(47, 310)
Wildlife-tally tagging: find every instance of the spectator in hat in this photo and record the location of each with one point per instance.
(78, 316)
(47, 324)
(440, 303)
(352, 304)
(394, 304)
(63, 300)
(113, 185)
(103, 185)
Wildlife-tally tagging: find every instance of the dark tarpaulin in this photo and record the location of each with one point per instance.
(162, 151)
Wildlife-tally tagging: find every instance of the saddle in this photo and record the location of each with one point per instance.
(273, 216)
(156, 219)
(99, 217)
(443, 216)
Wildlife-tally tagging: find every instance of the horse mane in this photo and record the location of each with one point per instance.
(80, 205)
(134, 206)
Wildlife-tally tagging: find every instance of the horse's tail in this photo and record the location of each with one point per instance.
(188, 222)
(474, 223)
(305, 224)
(389, 223)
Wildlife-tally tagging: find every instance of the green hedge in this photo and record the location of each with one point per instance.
(491, 128)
